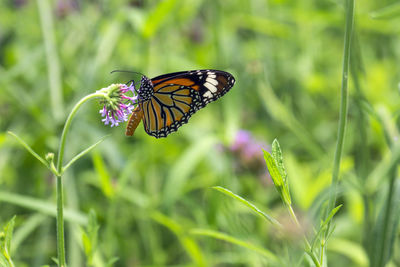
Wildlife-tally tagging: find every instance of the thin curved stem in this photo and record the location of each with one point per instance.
(60, 195)
(68, 124)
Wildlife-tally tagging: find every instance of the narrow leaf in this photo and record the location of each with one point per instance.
(42, 206)
(331, 214)
(84, 152)
(324, 224)
(248, 204)
(277, 155)
(90, 237)
(188, 243)
(386, 227)
(277, 177)
(3, 261)
(30, 150)
(273, 169)
(222, 236)
(104, 175)
(8, 230)
(390, 11)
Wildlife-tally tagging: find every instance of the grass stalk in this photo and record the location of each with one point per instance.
(343, 111)
(385, 240)
(53, 64)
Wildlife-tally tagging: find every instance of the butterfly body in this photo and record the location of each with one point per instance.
(167, 102)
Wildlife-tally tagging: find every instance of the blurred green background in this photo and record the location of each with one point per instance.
(150, 194)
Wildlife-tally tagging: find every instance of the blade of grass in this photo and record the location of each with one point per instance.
(350, 249)
(248, 204)
(84, 152)
(41, 206)
(26, 229)
(343, 108)
(53, 65)
(390, 11)
(221, 236)
(30, 150)
(189, 244)
(387, 224)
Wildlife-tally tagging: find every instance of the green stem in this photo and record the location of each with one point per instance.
(68, 124)
(60, 197)
(343, 113)
(60, 224)
(343, 106)
(308, 246)
(53, 63)
(385, 240)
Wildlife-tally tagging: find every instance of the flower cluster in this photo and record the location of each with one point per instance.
(248, 150)
(117, 104)
(248, 155)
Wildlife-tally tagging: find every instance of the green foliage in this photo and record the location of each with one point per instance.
(152, 197)
(90, 238)
(247, 203)
(277, 171)
(5, 244)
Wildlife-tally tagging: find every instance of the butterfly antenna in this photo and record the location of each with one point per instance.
(128, 71)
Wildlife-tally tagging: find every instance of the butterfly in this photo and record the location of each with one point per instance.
(167, 102)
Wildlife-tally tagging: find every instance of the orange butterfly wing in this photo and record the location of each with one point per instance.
(177, 96)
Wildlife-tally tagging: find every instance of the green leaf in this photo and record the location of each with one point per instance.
(111, 262)
(390, 11)
(222, 236)
(277, 177)
(157, 16)
(188, 243)
(352, 250)
(331, 214)
(84, 152)
(385, 229)
(42, 206)
(273, 170)
(102, 172)
(30, 150)
(5, 244)
(248, 204)
(325, 223)
(277, 155)
(90, 237)
(3, 261)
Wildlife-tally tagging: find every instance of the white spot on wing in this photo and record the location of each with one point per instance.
(212, 81)
(210, 87)
(207, 94)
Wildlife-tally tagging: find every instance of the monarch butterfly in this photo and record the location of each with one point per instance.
(167, 102)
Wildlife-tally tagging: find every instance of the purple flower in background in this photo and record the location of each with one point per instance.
(248, 149)
(118, 105)
(248, 154)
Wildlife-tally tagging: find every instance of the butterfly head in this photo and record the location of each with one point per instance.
(146, 90)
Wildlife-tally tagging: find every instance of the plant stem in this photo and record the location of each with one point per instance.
(308, 246)
(53, 64)
(342, 116)
(343, 107)
(68, 124)
(60, 223)
(59, 192)
(385, 240)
